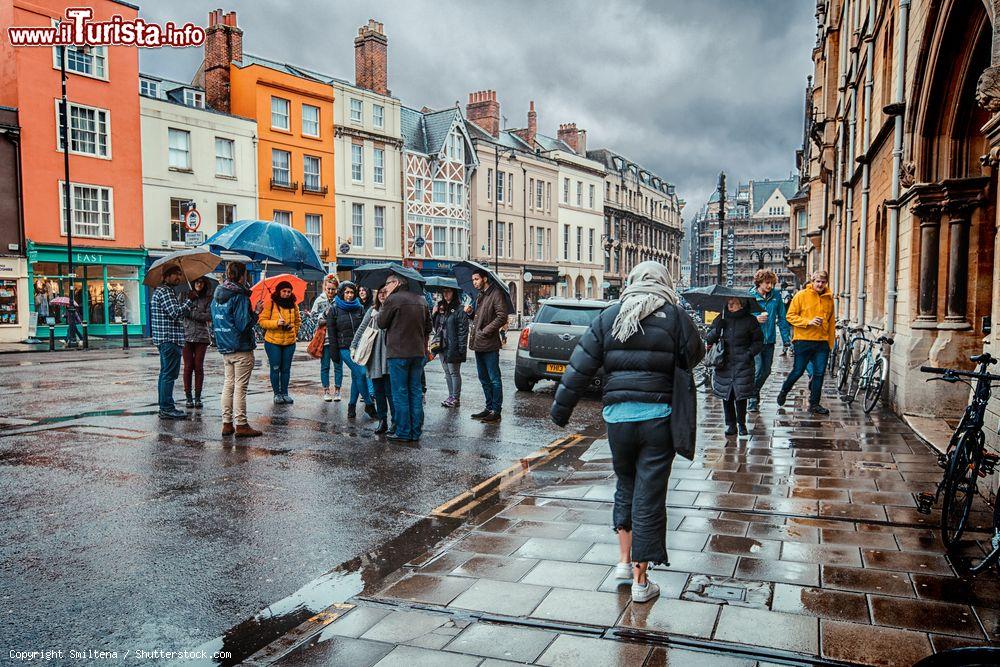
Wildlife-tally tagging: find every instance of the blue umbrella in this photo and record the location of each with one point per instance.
(463, 274)
(438, 283)
(269, 242)
(374, 275)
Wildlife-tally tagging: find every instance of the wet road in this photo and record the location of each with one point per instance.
(123, 532)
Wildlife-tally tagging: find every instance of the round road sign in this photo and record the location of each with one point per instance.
(192, 220)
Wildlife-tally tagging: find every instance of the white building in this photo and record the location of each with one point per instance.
(368, 188)
(192, 155)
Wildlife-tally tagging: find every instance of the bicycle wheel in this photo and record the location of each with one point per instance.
(835, 359)
(854, 384)
(960, 486)
(994, 554)
(873, 391)
(845, 371)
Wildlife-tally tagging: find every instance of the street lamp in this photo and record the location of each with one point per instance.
(68, 194)
(722, 222)
(760, 253)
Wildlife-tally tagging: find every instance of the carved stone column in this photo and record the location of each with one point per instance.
(930, 225)
(958, 266)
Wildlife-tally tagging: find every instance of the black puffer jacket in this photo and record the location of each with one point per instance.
(342, 324)
(744, 340)
(640, 369)
(453, 325)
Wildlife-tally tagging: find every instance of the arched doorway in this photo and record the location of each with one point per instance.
(580, 288)
(592, 288)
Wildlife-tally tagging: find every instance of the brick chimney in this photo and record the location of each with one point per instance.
(370, 60)
(528, 134)
(484, 110)
(223, 45)
(574, 138)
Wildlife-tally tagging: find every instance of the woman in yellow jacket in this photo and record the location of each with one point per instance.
(280, 321)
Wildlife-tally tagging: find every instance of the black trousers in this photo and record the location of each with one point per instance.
(642, 453)
(736, 411)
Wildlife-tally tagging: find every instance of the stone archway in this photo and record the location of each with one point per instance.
(580, 288)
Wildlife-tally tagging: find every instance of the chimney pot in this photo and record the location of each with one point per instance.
(371, 58)
(223, 45)
(484, 110)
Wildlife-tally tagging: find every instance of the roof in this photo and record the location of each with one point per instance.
(426, 132)
(305, 72)
(615, 162)
(549, 144)
(507, 138)
(763, 189)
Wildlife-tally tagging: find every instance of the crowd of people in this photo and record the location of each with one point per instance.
(383, 337)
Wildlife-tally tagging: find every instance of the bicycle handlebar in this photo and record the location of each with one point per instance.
(949, 372)
(984, 358)
(933, 369)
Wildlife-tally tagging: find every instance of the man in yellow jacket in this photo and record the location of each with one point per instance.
(813, 332)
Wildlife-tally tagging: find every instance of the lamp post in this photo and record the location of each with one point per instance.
(722, 223)
(760, 254)
(67, 195)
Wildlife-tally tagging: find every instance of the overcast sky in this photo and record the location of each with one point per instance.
(684, 87)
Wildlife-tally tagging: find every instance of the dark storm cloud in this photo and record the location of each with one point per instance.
(684, 87)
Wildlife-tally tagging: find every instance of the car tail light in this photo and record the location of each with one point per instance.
(522, 342)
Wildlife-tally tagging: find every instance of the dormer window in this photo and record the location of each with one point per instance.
(194, 98)
(149, 88)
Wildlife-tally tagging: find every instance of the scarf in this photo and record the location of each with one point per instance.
(648, 289)
(347, 306)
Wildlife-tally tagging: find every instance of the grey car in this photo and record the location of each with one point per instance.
(546, 344)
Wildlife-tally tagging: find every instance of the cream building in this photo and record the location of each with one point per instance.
(192, 155)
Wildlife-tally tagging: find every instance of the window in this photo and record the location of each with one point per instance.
(88, 130)
(358, 225)
(310, 120)
(92, 210)
(565, 251)
(565, 191)
(224, 162)
(510, 188)
(440, 240)
(356, 108)
(489, 185)
(459, 194)
(281, 172)
(590, 246)
(539, 242)
(579, 244)
(279, 113)
(357, 153)
(92, 62)
(539, 192)
(531, 193)
(579, 193)
(378, 115)
(180, 149)
(149, 88)
(380, 227)
(178, 209)
(593, 195)
(380, 166)
(225, 215)
(500, 237)
(440, 195)
(500, 180)
(194, 98)
(454, 242)
(489, 237)
(510, 240)
(451, 194)
(283, 217)
(548, 196)
(314, 230)
(418, 189)
(310, 173)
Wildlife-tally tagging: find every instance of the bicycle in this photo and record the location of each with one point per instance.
(869, 373)
(966, 459)
(853, 335)
(839, 344)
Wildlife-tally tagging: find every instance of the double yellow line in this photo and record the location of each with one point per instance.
(464, 503)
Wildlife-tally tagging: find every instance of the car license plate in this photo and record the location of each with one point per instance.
(555, 368)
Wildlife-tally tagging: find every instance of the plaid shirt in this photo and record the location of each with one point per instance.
(167, 318)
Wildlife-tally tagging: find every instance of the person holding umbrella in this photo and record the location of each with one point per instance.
(233, 320)
(167, 319)
(451, 337)
(197, 329)
(489, 318)
(406, 321)
(733, 381)
(280, 320)
(377, 363)
(343, 319)
(330, 354)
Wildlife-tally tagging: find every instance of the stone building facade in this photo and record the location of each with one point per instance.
(900, 167)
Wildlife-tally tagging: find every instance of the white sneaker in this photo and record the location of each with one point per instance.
(623, 571)
(645, 593)
(336, 394)
(326, 395)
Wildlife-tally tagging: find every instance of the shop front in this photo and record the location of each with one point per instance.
(107, 286)
(539, 283)
(15, 315)
(430, 267)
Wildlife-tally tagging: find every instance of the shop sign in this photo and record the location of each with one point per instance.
(528, 276)
(345, 248)
(86, 258)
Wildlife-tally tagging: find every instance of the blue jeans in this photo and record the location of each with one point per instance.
(359, 379)
(762, 367)
(383, 397)
(73, 329)
(279, 358)
(407, 397)
(170, 368)
(814, 353)
(331, 355)
(488, 368)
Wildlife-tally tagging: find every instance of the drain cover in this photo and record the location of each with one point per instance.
(723, 590)
(874, 465)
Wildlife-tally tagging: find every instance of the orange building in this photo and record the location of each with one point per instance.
(105, 165)
(293, 108)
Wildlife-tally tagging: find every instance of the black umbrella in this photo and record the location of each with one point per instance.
(715, 297)
(463, 274)
(373, 276)
(439, 283)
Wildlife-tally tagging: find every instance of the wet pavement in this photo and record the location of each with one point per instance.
(120, 531)
(801, 545)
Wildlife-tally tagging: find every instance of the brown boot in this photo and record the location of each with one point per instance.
(227, 428)
(246, 431)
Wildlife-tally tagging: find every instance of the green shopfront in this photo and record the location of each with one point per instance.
(108, 287)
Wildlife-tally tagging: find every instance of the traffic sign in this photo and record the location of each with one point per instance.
(192, 220)
(194, 238)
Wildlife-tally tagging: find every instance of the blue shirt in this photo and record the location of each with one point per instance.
(634, 411)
